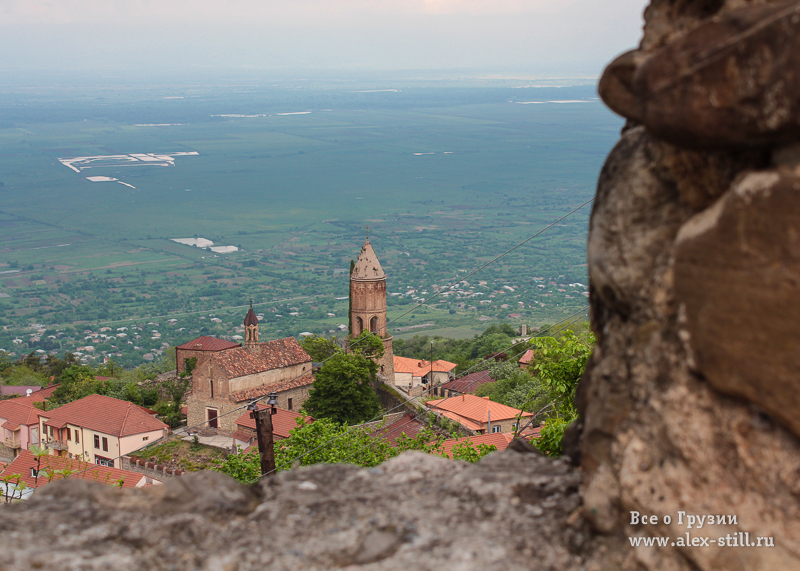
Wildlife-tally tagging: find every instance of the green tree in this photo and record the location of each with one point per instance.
(468, 452)
(559, 364)
(319, 348)
(76, 382)
(367, 345)
(5, 361)
(328, 442)
(318, 442)
(22, 375)
(342, 390)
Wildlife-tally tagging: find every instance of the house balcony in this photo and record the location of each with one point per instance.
(12, 443)
(57, 444)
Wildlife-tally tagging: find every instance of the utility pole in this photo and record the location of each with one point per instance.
(266, 441)
(430, 386)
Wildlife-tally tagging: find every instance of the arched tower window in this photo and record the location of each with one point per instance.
(373, 324)
(359, 327)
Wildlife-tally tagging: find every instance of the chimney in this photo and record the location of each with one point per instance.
(488, 422)
(28, 392)
(524, 330)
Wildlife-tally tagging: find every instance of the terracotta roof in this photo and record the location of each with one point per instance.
(23, 463)
(250, 318)
(104, 414)
(279, 386)
(407, 425)
(527, 357)
(282, 422)
(244, 436)
(208, 343)
(499, 439)
(469, 383)
(421, 367)
(276, 354)
(475, 408)
(463, 421)
(38, 396)
(367, 265)
(17, 389)
(16, 414)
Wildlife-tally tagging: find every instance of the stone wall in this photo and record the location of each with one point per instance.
(690, 400)
(197, 406)
(512, 511)
(157, 471)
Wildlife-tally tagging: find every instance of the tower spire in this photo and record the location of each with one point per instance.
(251, 328)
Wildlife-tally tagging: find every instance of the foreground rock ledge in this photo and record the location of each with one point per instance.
(512, 510)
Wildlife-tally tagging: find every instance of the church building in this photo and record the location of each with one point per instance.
(368, 305)
(225, 378)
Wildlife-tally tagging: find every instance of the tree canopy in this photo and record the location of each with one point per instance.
(326, 441)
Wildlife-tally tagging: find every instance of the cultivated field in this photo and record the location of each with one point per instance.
(446, 178)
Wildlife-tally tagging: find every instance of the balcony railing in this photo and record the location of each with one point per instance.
(56, 444)
(12, 443)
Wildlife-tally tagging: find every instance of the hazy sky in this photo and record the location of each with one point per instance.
(544, 37)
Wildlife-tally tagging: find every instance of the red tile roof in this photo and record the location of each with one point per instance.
(527, 357)
(16, 414)
(282, 422)
(463, 421)
(208, 343)
(23, 463)
(38, 396)
(275, 354)
(104, 414)
(407, 425)
(18, 389)
(476, 409)
(469, 383)
(499, 439)
(244, 436)
(421, 367)
(279, 387)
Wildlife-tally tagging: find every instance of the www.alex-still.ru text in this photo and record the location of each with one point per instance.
(735, 539)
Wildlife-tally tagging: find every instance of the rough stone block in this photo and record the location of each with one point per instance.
(737, 278)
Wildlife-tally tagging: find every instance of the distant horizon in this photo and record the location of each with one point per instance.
(531, 38)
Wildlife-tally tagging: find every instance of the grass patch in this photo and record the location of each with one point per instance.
(183, 455)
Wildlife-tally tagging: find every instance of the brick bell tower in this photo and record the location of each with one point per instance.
(368, 305)
(251, 329)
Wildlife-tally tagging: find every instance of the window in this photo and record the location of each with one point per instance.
(211, 384)
(51, 432)
(100, 461)
(496, 428)
(34, 472)
(514, 427)
(105, 444)
(77, 438)
(289, 405)
(96, 441)
(69, 434)
(145, 438)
